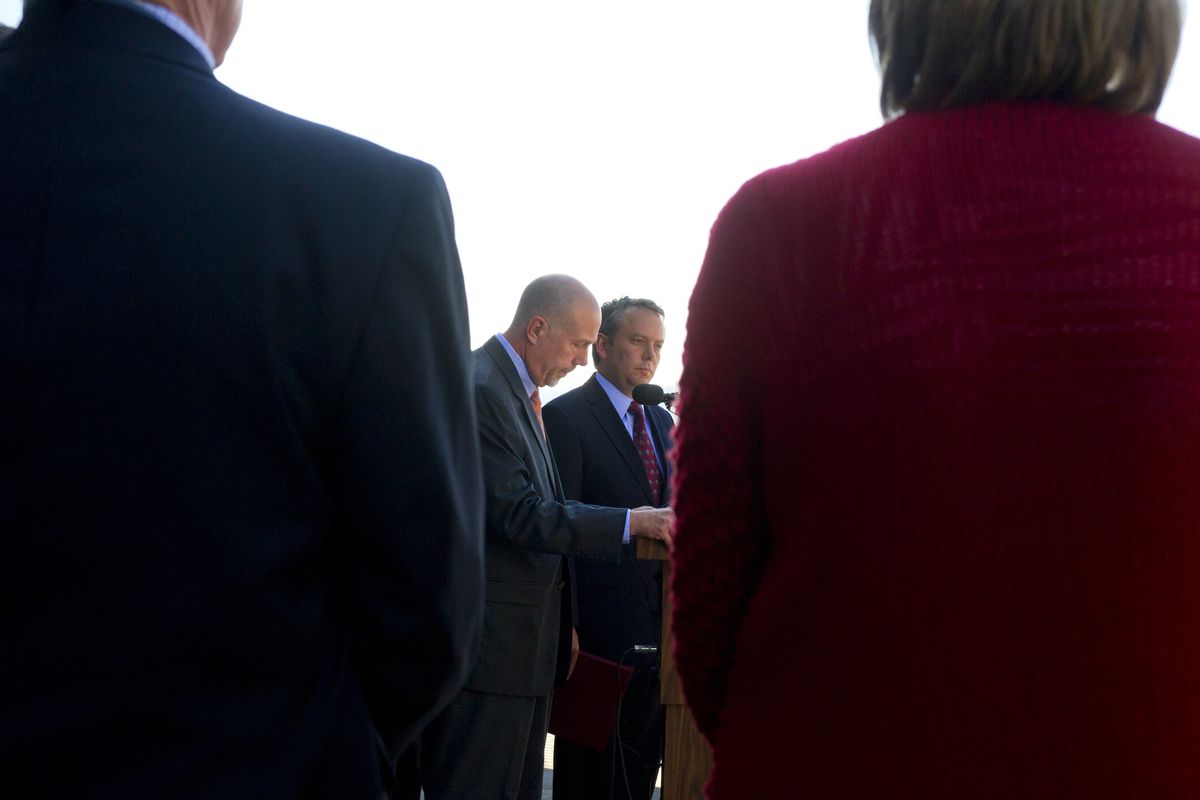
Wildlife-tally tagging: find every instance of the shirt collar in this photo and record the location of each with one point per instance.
(172, 21)
(519, 363)
(619, 399)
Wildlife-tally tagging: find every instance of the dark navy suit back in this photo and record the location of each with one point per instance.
(195, 294)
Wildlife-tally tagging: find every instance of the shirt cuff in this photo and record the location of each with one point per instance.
(625, 536)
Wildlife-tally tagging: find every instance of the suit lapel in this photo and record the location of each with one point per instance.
(660, 432)
(509, 371)
(610, 422)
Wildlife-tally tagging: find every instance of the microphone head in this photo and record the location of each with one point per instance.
(648, 394)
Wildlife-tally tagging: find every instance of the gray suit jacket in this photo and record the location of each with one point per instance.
(530, 528)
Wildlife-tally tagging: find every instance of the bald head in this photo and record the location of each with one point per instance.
(552, 297)
(556, 322)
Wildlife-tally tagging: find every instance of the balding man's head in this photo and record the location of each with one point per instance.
(556, 322)
(552, 297)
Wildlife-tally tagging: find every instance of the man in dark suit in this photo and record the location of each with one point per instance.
(489, 741)
(612, 451)
(241, 497)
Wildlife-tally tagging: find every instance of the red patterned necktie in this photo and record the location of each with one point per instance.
(536, 399)
(641, 440)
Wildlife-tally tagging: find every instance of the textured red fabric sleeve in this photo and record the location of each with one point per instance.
(720, 536)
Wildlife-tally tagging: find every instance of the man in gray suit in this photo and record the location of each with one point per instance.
(489, 741)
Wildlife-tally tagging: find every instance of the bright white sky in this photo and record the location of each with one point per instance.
(596, 139)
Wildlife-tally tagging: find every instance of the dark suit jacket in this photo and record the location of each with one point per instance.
(619, 605)
(240, 498)
(530, 528)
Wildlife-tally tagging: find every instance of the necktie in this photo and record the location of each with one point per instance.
(536, 399)
(641, 441)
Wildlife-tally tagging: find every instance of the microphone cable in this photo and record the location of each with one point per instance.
(620, 748)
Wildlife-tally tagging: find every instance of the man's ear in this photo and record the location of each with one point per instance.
(601, 346)
(536, 329)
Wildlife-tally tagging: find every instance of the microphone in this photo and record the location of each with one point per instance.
(650, 395)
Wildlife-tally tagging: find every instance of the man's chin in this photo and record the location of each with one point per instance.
(554, 378)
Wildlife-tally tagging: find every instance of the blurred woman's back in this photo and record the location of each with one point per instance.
(937, 529)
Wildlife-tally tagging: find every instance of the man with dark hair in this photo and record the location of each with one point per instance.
(490, 740)
(612, 451)
(241, 496)
(4, 31)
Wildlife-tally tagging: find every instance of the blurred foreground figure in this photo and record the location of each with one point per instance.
(939, 441)
(241, 490)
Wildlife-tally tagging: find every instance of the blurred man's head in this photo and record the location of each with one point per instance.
(225, 16)
(630, 342)
(557, 320)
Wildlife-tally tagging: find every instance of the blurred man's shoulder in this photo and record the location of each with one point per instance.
(321, 143)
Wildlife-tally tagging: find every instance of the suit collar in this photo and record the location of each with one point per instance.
(172, 21)
(497, 352)
(108, 26)
(594, 392)
(618, 399)
(610, 422)
(509, 370)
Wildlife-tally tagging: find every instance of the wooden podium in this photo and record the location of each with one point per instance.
(686, 757)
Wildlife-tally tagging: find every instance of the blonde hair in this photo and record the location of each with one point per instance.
(1114, 54)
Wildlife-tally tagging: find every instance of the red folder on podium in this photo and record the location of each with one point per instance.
(585, 707)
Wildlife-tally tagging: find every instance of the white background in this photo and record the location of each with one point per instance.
(596, 139)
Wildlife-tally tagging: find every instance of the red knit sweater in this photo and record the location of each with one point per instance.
(938, 473)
